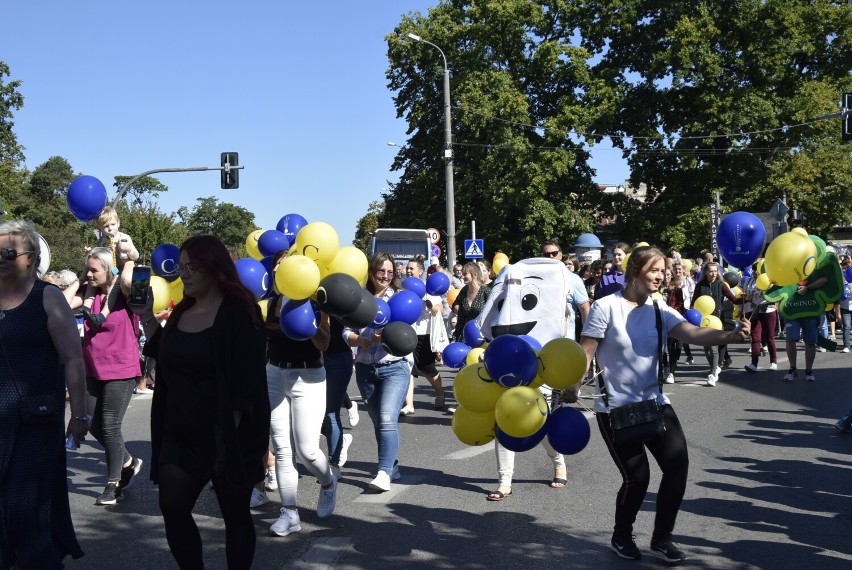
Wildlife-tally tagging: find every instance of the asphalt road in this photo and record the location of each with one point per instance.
(769, 487)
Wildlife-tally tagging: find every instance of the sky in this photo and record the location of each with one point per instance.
(298, 89)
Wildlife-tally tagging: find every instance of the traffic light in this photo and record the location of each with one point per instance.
(230, 175)
(847, 117)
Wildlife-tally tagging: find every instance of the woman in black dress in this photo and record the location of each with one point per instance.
(210, 413)
(38, 338)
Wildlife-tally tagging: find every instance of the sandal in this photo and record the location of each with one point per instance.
(497, 495)
(558, 483)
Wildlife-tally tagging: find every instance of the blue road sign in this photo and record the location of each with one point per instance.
(474, 249)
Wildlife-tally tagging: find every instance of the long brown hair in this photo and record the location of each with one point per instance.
(210, 255)
(639, 258)
(375, 264)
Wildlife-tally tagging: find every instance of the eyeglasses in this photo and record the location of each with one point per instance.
(385, 273)
(11, 254)
(553, 253)
(186, 268)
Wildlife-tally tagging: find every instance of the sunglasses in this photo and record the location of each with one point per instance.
(551, 253)
(11, 254)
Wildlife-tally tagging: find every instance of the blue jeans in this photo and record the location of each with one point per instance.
(338, 372)
(383, 388)
(846, 316)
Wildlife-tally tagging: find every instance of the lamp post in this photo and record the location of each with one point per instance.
(448, 158)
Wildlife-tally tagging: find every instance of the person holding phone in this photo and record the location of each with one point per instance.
(111, 356)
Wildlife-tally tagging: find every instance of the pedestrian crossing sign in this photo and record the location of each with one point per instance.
(474, 249)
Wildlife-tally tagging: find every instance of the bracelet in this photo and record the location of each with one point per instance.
(81, 418)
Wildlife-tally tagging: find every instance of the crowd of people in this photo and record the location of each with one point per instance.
(243, 418)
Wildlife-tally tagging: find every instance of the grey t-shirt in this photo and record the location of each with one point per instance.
(628, 350)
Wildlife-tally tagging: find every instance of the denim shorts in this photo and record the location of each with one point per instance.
(805, 328)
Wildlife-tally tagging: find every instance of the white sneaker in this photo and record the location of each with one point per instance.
(717, 371)
(821, 349)
(271, 483)
(344, 451)
(750, 367)
(764, 351)
(287, 523)
(670, 378)
(258, 498)
(712, 379)
(335, 470)
(845, 349)
(773, 366)
(327, 499)
(381, 482)
(354, 416)
(690, 361)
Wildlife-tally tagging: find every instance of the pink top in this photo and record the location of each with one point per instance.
(112, 351)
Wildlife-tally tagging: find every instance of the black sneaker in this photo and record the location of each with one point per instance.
(667, 550)
(625, 546)
(127, 473)
(110, 496)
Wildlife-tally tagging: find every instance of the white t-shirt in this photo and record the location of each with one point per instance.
(421, 325)
(628, 351)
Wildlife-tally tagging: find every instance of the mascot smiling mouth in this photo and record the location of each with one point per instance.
(515, 328)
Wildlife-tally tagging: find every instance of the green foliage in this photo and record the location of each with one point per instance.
(11, 100)
(230, 223)
(149, 227)
(701, 95)
(366, 225)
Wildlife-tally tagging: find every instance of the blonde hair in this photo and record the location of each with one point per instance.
(28, 236)
(106, 215)
(103, 255)
(639, 258)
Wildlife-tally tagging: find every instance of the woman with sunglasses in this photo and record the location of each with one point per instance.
(210, 412)
(38, 339)
(111, 355)
(382, 378)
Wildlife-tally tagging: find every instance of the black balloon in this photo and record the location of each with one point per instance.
(339, 294)
(399, 338)
(732, 278)
(364, 314)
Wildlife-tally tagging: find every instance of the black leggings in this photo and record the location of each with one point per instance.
(178, 494)
(669, 449)
(106, 402)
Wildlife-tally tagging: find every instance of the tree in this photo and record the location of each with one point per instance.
(230, 223)
(10, 100)
(142, 219)
(514, 72)
(144, 191)
(366, 225)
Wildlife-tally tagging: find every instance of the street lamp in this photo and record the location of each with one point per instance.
(448, 158)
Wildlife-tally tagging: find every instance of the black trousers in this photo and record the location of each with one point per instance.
(669, 450)
(178, 493)
(106, 402)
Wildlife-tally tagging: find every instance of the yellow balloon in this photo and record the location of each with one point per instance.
(162, 295)
(319, 242)
(176, 291)
(537, 382)
(687, 264)
(624, 263)
(297, 277)
(475, 390)
(473, 428)
(829, 307)
(657, 296)
(521, 411)
(801, 231)
(264, 307)
(705, 305)
(251, 245)
(561, 363)
(351, 261)
(498, 264)
(452, 295)
(473, 356)
(711, 322)
(292, 251)
(763, 282)
(790, 258)
(760, 266)
(643, 244)
(737, 291)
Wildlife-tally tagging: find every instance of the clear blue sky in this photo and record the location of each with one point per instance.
(297, 88)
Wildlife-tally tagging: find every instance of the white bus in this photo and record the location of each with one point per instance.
(403, 244)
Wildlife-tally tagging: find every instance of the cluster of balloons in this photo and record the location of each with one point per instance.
(86, 198)
(701, 313)
(499, 397)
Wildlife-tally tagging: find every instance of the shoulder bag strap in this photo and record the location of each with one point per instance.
(662, 352)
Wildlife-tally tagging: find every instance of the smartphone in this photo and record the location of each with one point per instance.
(139, 284)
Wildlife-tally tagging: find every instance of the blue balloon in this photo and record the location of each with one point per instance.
(86, 198)
(472, 335)
(693, 317)
(253, 275)
(511, 361)
(848, 274)
(741, 237)
(438, 283)
(164, 261)
(415, 285)
(405, 307)
(271, 242)
(746, 272)
(531, 341)
(454, 354)
(521, 444)
(846, 292)
(300, 319)
(290, 225)
(383, 314)
(568, 430)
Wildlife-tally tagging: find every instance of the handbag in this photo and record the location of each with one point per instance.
(640, 421)
(37, 409)
(438, 337)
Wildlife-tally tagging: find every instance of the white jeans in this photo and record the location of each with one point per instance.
(297, 399)
(506, 461)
